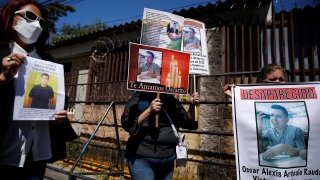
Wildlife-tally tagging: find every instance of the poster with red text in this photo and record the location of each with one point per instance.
(276, 129)
(195, 43)
(156, 69)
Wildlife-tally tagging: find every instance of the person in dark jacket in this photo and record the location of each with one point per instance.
(25, 146)
(150, 150)
(174, 29)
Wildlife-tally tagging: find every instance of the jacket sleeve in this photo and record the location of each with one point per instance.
(182, 117)
(130, 116)
(4, 51)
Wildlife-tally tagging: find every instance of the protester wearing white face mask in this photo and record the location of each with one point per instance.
(28, 32)
(25, 146)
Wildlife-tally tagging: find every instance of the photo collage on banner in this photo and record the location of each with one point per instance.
(167, 31)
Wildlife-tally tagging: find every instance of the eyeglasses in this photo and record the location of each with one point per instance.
(31, 16)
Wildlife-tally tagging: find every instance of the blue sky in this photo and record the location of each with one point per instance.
(114, 12)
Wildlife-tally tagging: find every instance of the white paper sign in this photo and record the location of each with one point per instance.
(39, 90)
(170, 31)
(195, 42)
(276, 130)
(161, 29)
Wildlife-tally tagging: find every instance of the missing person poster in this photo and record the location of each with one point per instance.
(161, 29)
(156, 69)
(195, 42)
(276, 131)
(39, 90)
(167, 30)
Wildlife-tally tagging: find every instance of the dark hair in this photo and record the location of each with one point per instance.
(6, 20)
(151, 53)
(192, 30)
(279, 107)
(267, 70)
(45, 74)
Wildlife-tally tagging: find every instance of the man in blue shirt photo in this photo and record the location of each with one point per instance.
(280, 138)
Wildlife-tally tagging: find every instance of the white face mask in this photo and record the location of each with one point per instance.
(28, 32)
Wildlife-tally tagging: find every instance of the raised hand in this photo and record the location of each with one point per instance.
(10, 66)
(155, 105)
(195, 98)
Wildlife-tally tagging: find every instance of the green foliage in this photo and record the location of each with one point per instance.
(73, 150)
(69, 31)
(78, 29)
(55, 11)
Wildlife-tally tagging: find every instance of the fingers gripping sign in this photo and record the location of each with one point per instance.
(10, 66)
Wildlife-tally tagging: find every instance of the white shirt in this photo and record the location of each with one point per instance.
(21, 136)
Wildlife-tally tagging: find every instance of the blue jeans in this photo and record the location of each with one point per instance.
(146, 168)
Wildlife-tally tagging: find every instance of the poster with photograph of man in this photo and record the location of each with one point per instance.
(195, 43)
(173, 29)
(155, 69)
(276, 130)
(191, 39)
(283, 129)
(150, 63)
(40, 90)
(161, 29)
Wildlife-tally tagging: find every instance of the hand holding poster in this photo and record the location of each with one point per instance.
(273, 138)
(160, 70)
(40, 90)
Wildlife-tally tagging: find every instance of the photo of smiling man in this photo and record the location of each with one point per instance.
(281, 140)
(149, 66)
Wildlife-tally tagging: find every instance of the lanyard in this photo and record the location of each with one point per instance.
(172, 125)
